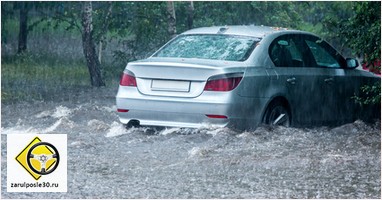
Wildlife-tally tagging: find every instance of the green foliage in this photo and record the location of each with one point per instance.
(325, 19)
(276, 13)
(370, 95)
(140, 27)
(362, 32)
(147, 30)
(217, 13)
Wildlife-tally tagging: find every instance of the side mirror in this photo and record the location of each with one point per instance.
(351, 63)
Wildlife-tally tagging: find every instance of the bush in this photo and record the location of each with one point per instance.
(370, 95)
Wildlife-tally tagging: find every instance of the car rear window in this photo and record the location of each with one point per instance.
(215, 47)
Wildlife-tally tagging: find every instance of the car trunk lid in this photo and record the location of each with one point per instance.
(177, 77)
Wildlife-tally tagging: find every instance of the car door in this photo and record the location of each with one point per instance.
(331, 75)
(298, 77)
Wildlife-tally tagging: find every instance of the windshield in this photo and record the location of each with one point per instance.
(216, 47)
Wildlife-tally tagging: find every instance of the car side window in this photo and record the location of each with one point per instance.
(284, 53)
(322, 55)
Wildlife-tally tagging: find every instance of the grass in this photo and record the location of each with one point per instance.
(31, 78)
(53, 67)
(23, 78)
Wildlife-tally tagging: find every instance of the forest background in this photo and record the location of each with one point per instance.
(50, 48)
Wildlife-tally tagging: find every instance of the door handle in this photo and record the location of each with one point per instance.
(329, 80)
(291, 80)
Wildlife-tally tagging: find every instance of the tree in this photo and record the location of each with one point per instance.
(141, 27)
(79, 16)
(23, 25)
(363, 35)
(171, 19)
(363, 30)
(89, 46)
(190, 15)
(325, 19)
(104, 29)
(216, 13)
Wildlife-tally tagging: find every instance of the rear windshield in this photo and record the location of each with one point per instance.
(216, 47)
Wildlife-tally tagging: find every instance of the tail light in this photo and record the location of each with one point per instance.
(223, 83)
(128, 79)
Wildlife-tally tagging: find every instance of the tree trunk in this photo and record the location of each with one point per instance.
(89, 46)
(190, 15)
(171, 19)
(23, 31)
(104, 29)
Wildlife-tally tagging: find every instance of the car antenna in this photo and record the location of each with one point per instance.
(222, 30)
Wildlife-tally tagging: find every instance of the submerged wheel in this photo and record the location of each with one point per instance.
(132, 123)
(277, 114)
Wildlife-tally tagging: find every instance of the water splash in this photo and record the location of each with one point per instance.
(98, 125)
(269, 162)
(61, 111)
(168, 131)
(116, 129)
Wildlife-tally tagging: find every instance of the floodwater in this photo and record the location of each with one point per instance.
(107, 161)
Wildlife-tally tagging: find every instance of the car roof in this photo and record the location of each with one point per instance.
(250, 30)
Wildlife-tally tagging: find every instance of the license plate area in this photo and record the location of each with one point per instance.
(170, 85)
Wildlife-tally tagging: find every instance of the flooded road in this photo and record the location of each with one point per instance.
(107, 161)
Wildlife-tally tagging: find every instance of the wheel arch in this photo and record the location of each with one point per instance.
(278, 99)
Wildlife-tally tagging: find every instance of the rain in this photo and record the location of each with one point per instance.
(106, 160)
(47, 91)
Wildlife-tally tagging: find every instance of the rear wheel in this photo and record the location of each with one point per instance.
(277, 114)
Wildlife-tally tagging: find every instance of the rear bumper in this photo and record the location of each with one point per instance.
(189, 112)
(158, 118)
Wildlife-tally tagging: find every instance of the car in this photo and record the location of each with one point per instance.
(241, 77)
